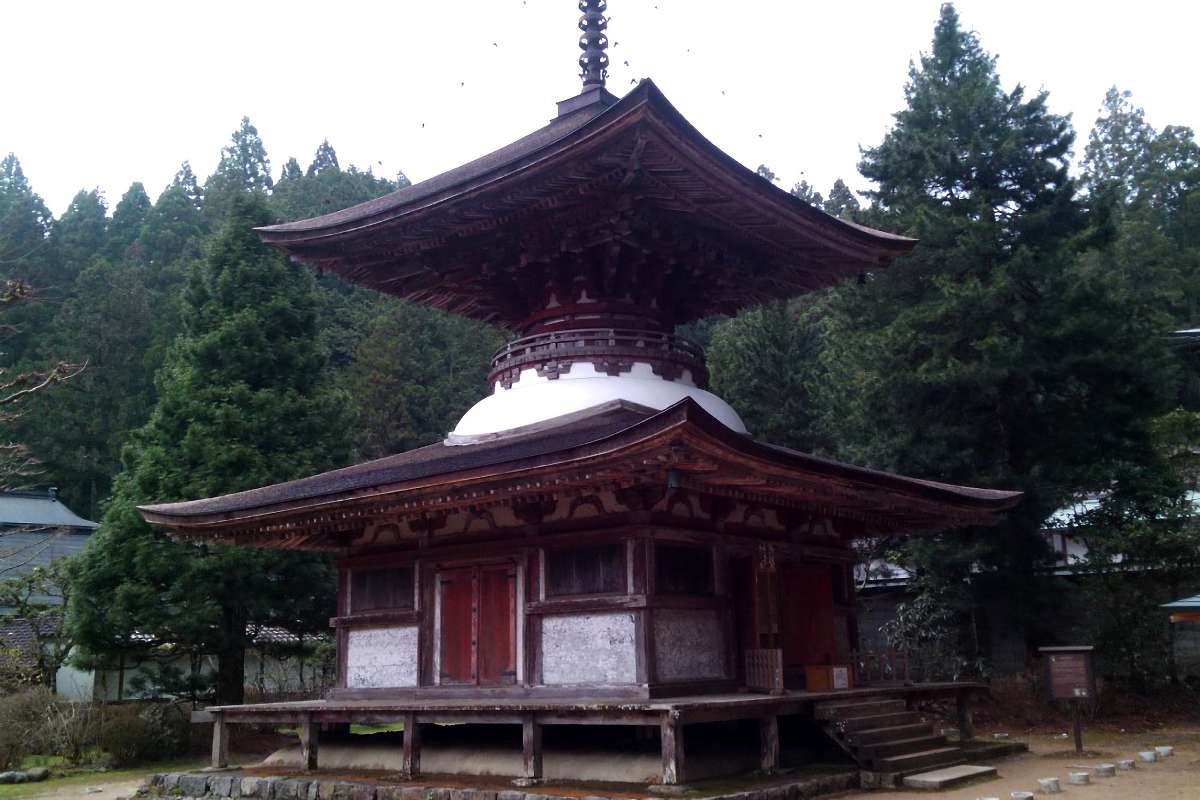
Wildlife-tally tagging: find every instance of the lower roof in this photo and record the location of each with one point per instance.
(595, 445)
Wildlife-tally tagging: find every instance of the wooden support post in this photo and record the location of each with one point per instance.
(220, 743)
(966, 722)
(531, 750)
(310, 742)
(768, 740)
(674, 761)
(410, 764)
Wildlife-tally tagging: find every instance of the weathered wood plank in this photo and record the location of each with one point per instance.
(674, 754)
(768, 741)
(220, 742)
(410, 760)
(531, 748)
(310, 742)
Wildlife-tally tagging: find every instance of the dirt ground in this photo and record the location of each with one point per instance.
(97, 790)
(1174, 778)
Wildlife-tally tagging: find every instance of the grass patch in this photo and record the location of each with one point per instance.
(395, 727)
(90, 777)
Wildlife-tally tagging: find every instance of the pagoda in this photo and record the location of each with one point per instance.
(599, 541)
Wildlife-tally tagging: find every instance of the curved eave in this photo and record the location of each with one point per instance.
(938, 505)
(542, 150)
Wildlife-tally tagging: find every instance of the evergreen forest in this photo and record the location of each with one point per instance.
(1029, 342)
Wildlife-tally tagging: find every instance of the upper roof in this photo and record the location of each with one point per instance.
(587, 448)
(40, 510)
(634, 173)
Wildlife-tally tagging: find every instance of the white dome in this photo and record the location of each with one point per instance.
(534, 399)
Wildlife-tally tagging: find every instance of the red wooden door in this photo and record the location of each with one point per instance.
(806, 595)
(478, 625)
(458, 626)
(497, 625)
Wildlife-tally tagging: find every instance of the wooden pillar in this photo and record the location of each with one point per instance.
(310, 741)
(531, 749)
(966, 721)
(674, 761)
(410, 763)
(220, 743)
(768, 741)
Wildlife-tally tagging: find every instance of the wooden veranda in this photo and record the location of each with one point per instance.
(670, 716)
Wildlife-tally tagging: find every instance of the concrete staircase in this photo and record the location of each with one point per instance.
(888, 741)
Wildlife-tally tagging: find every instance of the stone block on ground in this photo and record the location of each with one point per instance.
(947, 777)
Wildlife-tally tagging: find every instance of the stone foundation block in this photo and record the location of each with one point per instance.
(193, 785)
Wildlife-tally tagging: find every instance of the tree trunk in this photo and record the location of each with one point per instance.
(231, 676)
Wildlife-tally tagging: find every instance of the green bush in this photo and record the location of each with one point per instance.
(132, 734)
(23, 718)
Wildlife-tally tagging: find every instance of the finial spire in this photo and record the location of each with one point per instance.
(593, 64)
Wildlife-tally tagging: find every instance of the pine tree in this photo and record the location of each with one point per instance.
(174, 226)
(841, 202)
(244, 167)
(324, 161)
(80, 235)
(806, 192)
(766, 364)
(291, 172)
(990, 356)
(127, 220)
(241, 403)
(414, 373)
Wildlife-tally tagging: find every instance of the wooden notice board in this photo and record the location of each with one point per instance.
(1069, 674)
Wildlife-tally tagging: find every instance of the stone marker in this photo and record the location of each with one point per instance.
(1164, 751)
(1105, 770)
(1149, 756)
(1125, 763)
(1049, 786)
(1079, 778)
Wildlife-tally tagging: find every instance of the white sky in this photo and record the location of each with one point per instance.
(106, 93)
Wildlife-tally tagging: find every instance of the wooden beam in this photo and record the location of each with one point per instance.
(674, 759)
(410, 764)
(966, 721)
(310, 741)
(768, 740)
(220, 742)
(531, 749)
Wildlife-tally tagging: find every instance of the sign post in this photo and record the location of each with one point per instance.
(1070, 677)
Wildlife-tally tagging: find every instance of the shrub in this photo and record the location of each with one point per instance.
(23, 725)
(70, 729)
(136, 733)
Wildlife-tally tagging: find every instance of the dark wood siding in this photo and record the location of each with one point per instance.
(586, 570)
(381, 589)
(683, 569)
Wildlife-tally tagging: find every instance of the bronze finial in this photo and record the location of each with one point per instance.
(593, 64)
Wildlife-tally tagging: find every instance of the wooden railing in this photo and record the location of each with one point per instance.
(907, 666)
(764, 670)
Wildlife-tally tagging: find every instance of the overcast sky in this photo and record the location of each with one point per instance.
(101, 94)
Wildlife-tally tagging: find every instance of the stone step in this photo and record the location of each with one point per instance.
(921, 759)
(947, 777)
(898, 747)
(878, 721)
(889, 733)
(843, 710)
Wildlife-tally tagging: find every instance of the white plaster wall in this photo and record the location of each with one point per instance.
(535, 399)
(588, 648)
(689, 644)
(379, 658)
